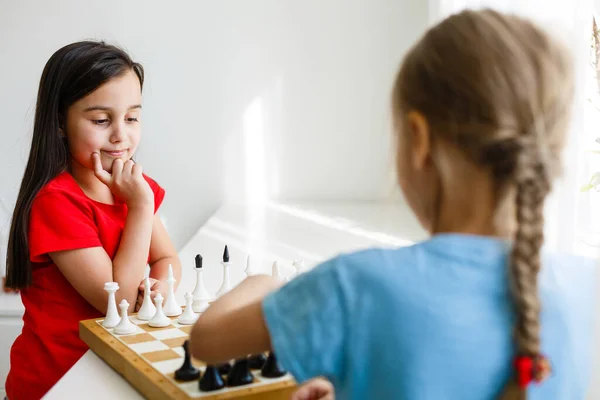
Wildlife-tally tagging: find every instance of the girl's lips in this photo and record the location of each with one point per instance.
(115, 153)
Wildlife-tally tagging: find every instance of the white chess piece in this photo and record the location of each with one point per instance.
(171, 308)
(276, 271)
(112, 314)
(199, 305)
(249, 269)
(201, 296)
(125, 326)
(226, 285)
(189, 316)
(147, 310)
(159, 320)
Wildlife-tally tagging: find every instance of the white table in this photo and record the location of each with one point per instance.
(283, 232)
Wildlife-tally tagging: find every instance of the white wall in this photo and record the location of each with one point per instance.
(292, 96)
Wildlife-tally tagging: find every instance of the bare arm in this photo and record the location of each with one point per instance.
(130, 261)
(234, 325)
(88, 269)
(163, 253)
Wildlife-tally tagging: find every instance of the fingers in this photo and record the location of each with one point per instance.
(153, 283)
(303, 393)
(127, 167)
(117, 169)
(307, 393)
(136, 170)
(315, 389)
(100, 173)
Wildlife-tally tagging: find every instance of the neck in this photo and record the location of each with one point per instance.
(468, 204)
(468, 213)
(91, 186)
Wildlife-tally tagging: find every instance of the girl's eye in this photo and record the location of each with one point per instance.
(100, 121)
(132, 120)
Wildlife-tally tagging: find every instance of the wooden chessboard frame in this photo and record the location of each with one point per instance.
(151, 383)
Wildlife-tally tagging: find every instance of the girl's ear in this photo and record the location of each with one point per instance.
(420, 139)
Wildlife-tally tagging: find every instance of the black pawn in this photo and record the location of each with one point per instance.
(224, 368)
(272, 369)
(257, 361)
(226, 254)
(187, 372)
(211, 380)
(240, 374)
(198, 261)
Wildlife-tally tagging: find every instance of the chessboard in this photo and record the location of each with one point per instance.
(149, 357)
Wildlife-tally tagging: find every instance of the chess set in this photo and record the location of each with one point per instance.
(150, 348)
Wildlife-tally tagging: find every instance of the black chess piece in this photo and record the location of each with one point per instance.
(187, 372)
(211, 380)
(226, 254)
(257, 361)
(240, 374)
(272, 369)
(224, 368)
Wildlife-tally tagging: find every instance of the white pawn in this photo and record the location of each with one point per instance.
(159, 320)
(171, 308)
(125, 326)
(276, 271)
(201, 296)
(189, 316)
(226, 285)
(112, 314)
(147, 310)
(249, 269)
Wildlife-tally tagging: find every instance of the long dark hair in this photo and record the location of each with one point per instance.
(70, 74)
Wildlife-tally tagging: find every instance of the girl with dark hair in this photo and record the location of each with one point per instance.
(85, 213)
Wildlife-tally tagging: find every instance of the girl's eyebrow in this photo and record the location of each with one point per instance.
(106, 108)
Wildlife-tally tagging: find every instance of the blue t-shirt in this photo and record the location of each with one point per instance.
(430, 321)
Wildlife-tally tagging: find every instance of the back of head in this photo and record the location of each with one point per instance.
(70, 74)
(500, 89)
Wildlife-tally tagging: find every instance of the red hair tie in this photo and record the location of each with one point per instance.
(531, 368)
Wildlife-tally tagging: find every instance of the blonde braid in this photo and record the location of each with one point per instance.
(532, 186)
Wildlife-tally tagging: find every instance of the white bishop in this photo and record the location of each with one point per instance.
(171, 309)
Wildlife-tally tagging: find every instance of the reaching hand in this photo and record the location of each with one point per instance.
(126, 181)
(315, 389)
(156, 287)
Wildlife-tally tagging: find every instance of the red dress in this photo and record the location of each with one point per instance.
(62, 218)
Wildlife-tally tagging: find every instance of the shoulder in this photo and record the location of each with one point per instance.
(364, 260)
(369, 267)
(153, 184)
(62, 183)
(159, 192)
(63, 191)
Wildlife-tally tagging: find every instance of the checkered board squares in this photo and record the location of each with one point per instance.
(161, 349)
